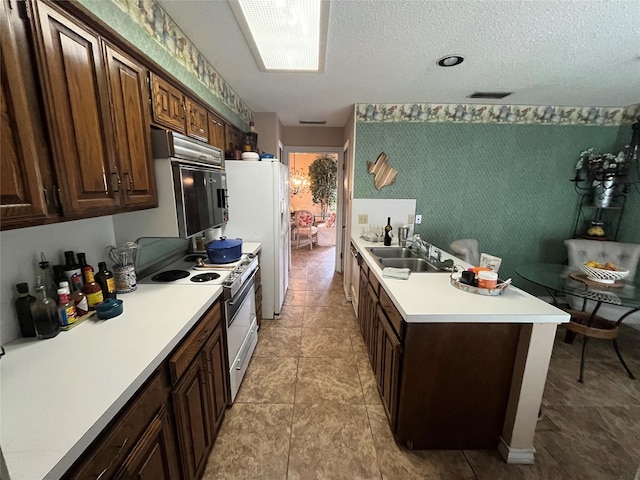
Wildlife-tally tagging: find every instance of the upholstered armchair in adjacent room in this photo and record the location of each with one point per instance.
(305, 227)
(625, 255)
(327, 231)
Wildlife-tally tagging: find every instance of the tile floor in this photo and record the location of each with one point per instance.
(308, 407)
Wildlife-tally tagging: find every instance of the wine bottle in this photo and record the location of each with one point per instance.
(23, 309)
(45, 314)
(92, 290)
(106, 281)
(387, 232)
(71, 267)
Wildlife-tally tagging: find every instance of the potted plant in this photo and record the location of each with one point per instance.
(323, 177)
(604, 172)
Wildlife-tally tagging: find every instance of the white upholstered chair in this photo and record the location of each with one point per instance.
(305, 227)
(604, 323)
(626, 255)
(327, 231)
(466, 249)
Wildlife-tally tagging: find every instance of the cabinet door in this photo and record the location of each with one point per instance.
(387, 365)
(167, 104)
(24, 186)
(129, 99)
(363, 301)
(371, 323)
(233, 137)
(216, 131)
(77, 101)
(154, 456)
(193, 412)
(197, 122)
(217, 372)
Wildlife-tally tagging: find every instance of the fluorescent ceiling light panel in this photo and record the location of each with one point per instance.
(285, 35)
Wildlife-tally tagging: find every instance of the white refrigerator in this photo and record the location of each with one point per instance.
(258, 200)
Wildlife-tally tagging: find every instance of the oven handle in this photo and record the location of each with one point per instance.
(243, 293)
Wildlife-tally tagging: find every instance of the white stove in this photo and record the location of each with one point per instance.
(185, 272)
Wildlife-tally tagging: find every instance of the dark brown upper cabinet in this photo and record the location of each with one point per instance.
(216, 131)
(129, 100)
(197, 122)
(77, 101)
(26, 187)
(95, 98)
(167, 104)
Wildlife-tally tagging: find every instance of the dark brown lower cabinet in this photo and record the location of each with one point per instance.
(442, 385)
(154, 456)
(167, 429)
(194, 417)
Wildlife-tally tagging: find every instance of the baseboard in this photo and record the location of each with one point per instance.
(524, 456)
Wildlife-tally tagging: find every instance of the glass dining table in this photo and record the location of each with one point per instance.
(565, 280)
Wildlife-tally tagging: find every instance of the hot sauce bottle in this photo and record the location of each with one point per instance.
(92, 290)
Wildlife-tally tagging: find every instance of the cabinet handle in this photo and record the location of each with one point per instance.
(113, 459)
(56, 198)
(130, 181)
(116, 187)
(46, 196)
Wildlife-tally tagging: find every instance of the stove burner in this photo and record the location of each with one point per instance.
(204, 277)
(170, 275)
(194, 257)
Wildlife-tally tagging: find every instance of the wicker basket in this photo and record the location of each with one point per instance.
(604, 276)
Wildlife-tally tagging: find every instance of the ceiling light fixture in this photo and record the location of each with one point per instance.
(450, 60)
(285, 35)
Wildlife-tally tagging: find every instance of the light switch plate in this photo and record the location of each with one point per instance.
(411, 219)
(418, 219)
(363, 219)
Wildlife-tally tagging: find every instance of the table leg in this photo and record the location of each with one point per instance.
(615, 345)
(584, 350)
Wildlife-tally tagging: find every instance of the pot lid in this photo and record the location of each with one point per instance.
(224, 242)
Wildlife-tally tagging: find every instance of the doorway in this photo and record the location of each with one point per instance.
(299, 159)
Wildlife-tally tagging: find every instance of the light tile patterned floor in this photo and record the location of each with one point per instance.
(309, 408)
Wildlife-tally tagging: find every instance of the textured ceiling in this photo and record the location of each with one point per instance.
(548, 52)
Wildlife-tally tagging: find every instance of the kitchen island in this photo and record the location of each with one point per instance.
(440, 353)
(59, 394)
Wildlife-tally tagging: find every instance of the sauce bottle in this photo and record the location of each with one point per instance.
(78, 298)
(66, 309)
(82, 261)
(92, 290)
(45, 314)
(23, 309)
(106, 281)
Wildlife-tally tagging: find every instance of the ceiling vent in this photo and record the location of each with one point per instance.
(490, 95)
(312, 122)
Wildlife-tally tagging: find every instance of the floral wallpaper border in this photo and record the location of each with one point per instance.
(161, 27)
(506, 114)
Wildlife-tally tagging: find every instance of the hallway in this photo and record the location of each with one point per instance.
(308, 407)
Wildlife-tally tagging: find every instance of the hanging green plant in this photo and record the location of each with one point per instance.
(323, 177)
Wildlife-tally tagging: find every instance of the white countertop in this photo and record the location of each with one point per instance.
(58, 394)
(429, 298)
(251, 247)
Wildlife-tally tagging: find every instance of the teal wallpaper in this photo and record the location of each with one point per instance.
(185, 64)
(505, 184)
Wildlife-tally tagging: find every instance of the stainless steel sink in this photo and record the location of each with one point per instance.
(414, 264)
(392, 252)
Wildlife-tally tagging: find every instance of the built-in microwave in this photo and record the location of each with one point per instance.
(192, 191)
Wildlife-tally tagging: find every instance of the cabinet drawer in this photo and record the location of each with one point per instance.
(374, 282)
(364, 269)
(105, 456)
(190, 347)
(392, 313)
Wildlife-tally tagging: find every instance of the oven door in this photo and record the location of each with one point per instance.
(242, 332)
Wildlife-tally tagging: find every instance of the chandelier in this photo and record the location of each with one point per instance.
(298, 182)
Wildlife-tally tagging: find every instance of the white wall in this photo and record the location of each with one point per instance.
(378, 209)
(20, 254)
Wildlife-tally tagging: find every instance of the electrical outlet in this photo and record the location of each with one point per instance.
(418, 219)
(411, 219)
(363, 219)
